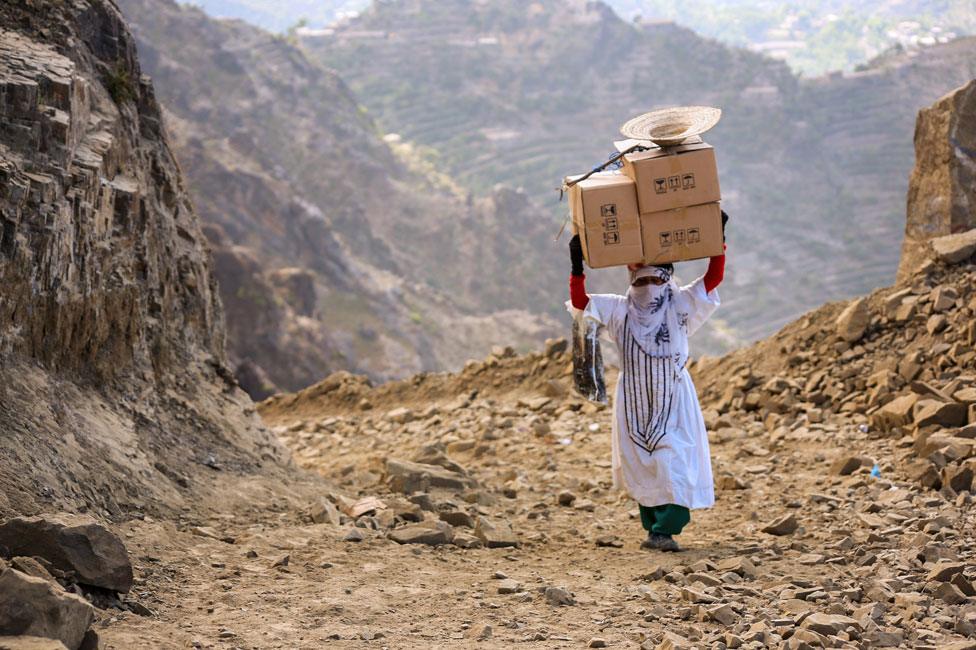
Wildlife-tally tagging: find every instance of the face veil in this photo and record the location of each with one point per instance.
(653, 355)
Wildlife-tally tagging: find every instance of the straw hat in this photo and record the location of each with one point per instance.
(670, 126)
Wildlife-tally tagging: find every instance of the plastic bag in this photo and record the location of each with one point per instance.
(588, 360)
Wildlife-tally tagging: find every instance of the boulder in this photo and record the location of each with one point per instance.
(829, 624)
(457, 518)
(400, 415)
(408, 477)
(953, 249)
(785, 525)
(434, 455)
(943, 298)
(854, 320)
(742, 566)
(966, 395)
(942, 188)
(936, 323)
(33, 568)
(433, 533)
(35, 607)
(896, 413)
(845, 465)
(945, 571)
(959, 478)
(949, 593)
(557, 596)
(495, 533)
(905, 312)
(324, 511)
(723, 614)
(929, 412)
(71, 543)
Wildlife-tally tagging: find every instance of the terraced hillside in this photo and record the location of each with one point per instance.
(813, 171)
(332, 251)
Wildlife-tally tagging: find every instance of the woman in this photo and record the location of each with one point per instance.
(660, 446)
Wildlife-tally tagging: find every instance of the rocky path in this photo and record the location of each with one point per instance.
(805, 547)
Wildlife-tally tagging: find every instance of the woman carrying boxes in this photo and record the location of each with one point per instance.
(660, 453)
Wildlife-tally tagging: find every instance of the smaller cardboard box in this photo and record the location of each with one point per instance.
(605, 216)
(675, 177)
(682, 234)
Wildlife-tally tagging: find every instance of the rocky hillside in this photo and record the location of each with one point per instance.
(332, 251)
(115, 395)
(476, 508)
(844, 458)
(813, 171)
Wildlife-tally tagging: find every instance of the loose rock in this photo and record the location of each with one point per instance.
(34, 607)
(95, 554)
(434, 533)
(495, 533)
(557, 596)
(785, 525)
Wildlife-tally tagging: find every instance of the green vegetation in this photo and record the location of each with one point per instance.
(119, 84)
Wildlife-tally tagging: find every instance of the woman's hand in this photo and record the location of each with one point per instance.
(725, 220)
(576, 255)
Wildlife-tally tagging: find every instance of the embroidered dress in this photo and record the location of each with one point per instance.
(660, 449)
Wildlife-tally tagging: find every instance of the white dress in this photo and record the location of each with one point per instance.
(679, 470)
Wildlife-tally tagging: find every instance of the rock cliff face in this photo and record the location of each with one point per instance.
(942, 190)
(333, 250)
(113, 373)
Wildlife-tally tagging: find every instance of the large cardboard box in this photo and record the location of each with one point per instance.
(605, 216)
(675, 177)
(682, 234)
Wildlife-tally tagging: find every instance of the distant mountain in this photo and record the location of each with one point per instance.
(813, 37)
(280, 15)
(813, 172)
(333, 251)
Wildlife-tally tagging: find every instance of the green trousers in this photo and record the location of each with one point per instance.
(665, 520)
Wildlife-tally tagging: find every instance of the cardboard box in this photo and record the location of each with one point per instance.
(682, 234)
(605, 215)
(676, 177)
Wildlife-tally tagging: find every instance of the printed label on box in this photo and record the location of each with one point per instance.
(611, 227)
(680, 236)
(606, 216)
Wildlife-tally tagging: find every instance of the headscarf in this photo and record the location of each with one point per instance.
(653, 319)
(654, 353)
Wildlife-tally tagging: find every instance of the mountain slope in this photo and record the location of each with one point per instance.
(813, 172)
(333, 252)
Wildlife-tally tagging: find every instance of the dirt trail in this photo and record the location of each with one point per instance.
(851, 575)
